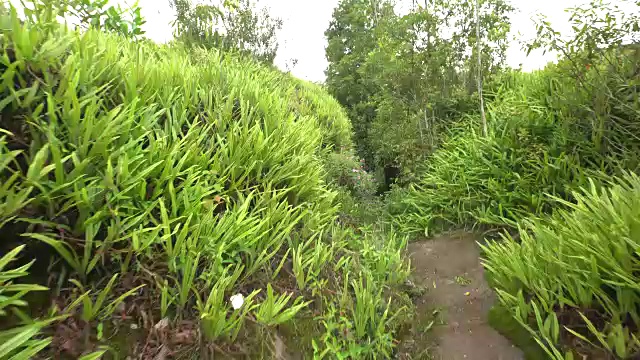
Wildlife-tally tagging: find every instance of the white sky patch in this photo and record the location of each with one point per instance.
(305, 21)
(523, 29)
(301, 36)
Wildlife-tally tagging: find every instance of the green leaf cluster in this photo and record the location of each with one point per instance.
(404, 77)
(195, 172)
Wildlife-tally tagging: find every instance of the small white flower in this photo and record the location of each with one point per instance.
(236, 301)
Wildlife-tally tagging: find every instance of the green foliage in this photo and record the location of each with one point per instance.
(98, 310)
(312, 99)
(559, 168)
(237, 26)
(495, 180)
(95, 14)
(347, 172)
(216, 319)
(196, 172)
(547, 136)
(274, 311)
(11, 294)
(361, 323)
(582, 261)
(602, 58)
(403, 78)
(252, 31)
(597, 26)
(20, 342)
(13, 199)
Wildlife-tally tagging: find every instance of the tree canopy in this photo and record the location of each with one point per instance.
(240, 26)
(400, 76)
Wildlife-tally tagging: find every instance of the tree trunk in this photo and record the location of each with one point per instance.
(479, 70)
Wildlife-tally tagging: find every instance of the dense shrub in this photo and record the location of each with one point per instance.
(542, 141)
(347, 171)
(549, 130)
(312, 99)
(572, 279)
(495, 180)
(356, 189)
(559, 169)
(192, 176)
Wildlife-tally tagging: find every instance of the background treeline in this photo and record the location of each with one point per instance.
(556, 170)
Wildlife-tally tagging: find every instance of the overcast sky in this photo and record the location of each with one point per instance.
(302, 34)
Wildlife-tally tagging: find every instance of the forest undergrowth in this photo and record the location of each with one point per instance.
(174, 201)
(555, 180)
(189, 200)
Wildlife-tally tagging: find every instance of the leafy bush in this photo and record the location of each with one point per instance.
(19, 341)
(559, 166)
(238, 26)
(187, 177)
(548, 130)
(496, 180)
(572, 280)
(403, 75)
(370, 314)
(93, 14)
(398, 139)
(348, 172)
(542, 141)
(312, 99)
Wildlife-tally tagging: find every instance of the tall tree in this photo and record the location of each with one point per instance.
(351, 38)
(403, 77)
(229, 25)
(479, 70)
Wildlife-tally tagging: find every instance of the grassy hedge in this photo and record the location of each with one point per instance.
(547, 137)
(160, 181)
(556, 171)
(572, 279)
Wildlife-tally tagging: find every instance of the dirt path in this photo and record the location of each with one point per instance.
(457, 300)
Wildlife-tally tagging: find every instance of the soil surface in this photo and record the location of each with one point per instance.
(456, 302)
